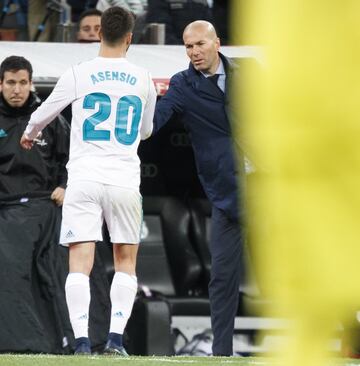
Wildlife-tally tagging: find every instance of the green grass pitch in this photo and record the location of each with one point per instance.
(52, 360)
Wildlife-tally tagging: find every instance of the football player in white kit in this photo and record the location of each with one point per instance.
(113, 105)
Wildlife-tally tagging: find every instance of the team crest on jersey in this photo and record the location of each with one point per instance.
(40, 142)
(83, 317)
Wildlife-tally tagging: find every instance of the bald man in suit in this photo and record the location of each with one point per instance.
(199, 96)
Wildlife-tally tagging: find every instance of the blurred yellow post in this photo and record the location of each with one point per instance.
(301, 114)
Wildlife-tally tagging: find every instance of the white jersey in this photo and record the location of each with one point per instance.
(113, 104)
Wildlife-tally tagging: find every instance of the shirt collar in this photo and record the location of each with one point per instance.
(220, 70)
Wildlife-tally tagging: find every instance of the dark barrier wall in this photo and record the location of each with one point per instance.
(168, 167)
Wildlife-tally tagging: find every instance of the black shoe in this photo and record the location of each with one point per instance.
(113, 349)
(82, 347)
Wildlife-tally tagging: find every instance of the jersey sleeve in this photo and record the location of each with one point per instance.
(62, 95)
(148, 115)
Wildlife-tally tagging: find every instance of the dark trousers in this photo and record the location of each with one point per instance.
(226, 246)
(32, 303)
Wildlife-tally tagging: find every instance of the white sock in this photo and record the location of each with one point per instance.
(77, 291)
(122, 294)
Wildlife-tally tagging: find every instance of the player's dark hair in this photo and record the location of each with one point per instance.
(89, 13)
(116, 22)
(14, 64)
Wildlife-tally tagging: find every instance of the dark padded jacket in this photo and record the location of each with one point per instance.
(43, 168)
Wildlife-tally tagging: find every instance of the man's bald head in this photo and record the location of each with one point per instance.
(202, 45)
(202, 26)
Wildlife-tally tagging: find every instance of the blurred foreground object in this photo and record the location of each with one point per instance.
(302, 118)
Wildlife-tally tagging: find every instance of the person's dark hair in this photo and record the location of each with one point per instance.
(89, 13)
(116, 22)
(14, 64)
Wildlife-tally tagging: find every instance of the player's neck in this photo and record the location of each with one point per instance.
(112, 52)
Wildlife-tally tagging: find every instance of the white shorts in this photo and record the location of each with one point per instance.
(87, 204)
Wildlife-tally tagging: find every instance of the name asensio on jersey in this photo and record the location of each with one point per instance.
(113, 75)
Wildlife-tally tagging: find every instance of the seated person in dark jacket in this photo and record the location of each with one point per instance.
(176, 15)
(32, 184)
(42, 169)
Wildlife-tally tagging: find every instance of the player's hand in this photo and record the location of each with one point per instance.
(58, 195)
(26, 143)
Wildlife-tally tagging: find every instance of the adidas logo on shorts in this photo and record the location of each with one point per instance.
(69, 235)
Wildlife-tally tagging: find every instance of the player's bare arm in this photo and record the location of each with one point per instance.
(26, 143)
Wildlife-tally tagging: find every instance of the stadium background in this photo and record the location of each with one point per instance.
(184, 188)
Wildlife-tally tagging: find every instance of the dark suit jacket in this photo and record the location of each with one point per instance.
(205, 110)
